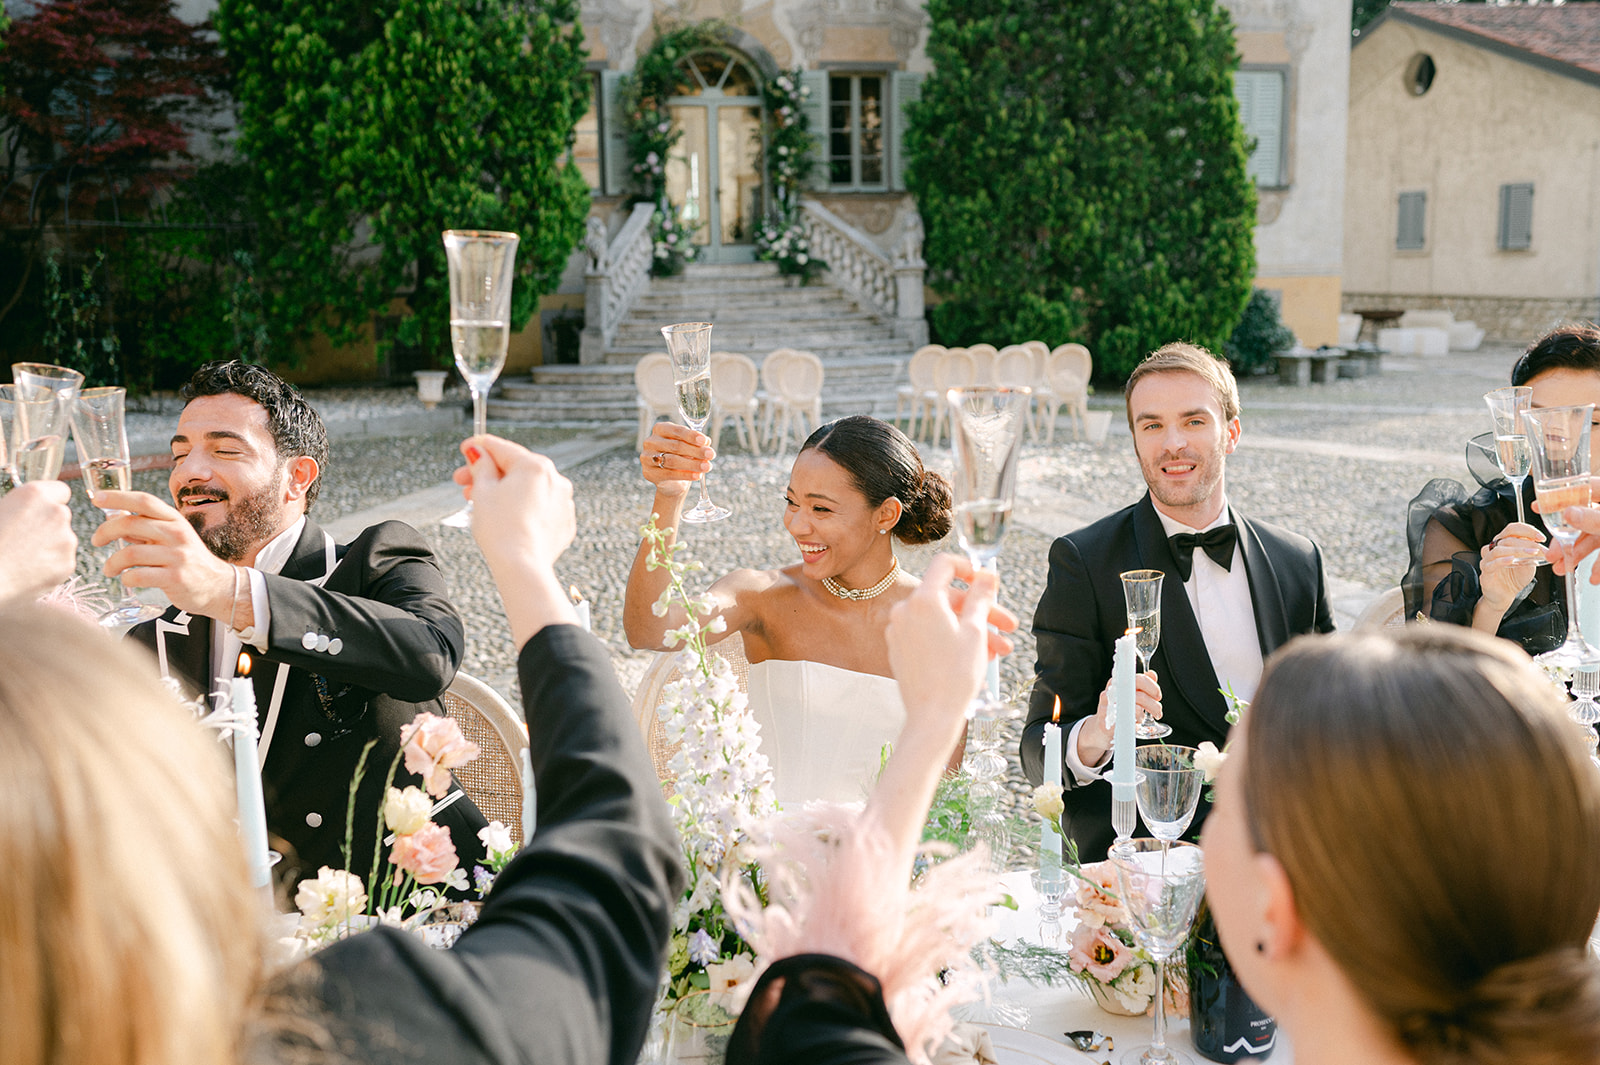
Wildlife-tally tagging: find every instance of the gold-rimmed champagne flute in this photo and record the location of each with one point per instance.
(44, 396)
(481, 265)
(9, 477)
(689, 347)
(1141, 593)
(1509, 407)
(99, 426)
(1560, 439)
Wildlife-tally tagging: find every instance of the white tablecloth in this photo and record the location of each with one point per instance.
(1054, 1011)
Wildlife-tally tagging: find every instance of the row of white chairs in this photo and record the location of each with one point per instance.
(1058, 378)
(763, 406)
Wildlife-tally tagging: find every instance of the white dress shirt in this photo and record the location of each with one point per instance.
(226, 642)
(1220, 599)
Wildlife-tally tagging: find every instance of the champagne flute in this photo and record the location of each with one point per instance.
(1560, 439)
(9, 477)
(99, 425)
(1167, 788)
(1161, 885)
(1509, 407)
(986, 426)
(43, 399)
(481, 265)
(689, 345)
(1141, 592)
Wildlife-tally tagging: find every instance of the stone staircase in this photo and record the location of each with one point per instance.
(755, 310)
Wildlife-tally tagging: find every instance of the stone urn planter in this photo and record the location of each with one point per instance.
(430, 386)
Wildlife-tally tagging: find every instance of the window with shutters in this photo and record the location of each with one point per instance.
(1516, 217)
(1263, 112)
(587, 141)
(857, 157)
(1411, 234)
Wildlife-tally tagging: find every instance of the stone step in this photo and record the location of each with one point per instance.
(564, 411)
(762, 336)
(759, 348)
(744, 305)
(619, 375)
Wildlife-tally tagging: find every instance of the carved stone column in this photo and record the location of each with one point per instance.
(910, 320)
(596, 288)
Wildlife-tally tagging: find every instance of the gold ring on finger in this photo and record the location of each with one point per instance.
(661, 460)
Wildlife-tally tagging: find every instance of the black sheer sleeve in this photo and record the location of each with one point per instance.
(1446, 531)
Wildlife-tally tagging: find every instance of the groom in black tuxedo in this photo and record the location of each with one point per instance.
(1235, 590)
(349, 642)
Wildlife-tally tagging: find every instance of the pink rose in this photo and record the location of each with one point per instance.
(1098, 953)
(428, 854)
(1096, 896)
(434, 745)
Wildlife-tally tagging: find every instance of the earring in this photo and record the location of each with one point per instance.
(1261, 946)
(883, 532)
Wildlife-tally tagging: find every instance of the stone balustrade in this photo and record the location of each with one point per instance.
(892, 289)
(618, 274)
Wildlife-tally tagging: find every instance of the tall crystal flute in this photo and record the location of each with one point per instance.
(1560, 439)
(1509, 407)
(1141, 593)
(99, 425)
(44, 398)
(1167, 788)
(986, 427)
(689, 346)
(1161, 885)
(9, 475)
(481, 266)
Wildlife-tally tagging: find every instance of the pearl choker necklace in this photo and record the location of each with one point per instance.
(859, 594)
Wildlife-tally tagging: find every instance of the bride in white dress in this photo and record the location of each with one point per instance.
(813, 631)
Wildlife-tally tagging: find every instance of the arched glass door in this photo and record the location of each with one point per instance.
(714, 174)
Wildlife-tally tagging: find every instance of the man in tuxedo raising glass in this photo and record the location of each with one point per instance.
(1235, 590)
(349, 641)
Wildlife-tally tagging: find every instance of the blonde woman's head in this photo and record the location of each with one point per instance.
(128, 932)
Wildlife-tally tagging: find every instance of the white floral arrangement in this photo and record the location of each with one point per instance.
(722, 784)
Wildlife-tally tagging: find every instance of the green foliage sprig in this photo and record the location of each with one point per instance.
(646, 115)
(1080, 169)
(789, 142)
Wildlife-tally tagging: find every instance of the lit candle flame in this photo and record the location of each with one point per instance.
(244, 665)
(1055, 717)
(573, 593)
(1133, 630)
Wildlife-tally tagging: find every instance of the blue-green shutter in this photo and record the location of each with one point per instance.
(615, 166)
(1516, 217)
(1411, 232)
(905, 89)
(815, 108)
(1261, 94)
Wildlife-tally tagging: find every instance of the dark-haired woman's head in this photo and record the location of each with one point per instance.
(884, 465)
(1417, 814)
(1563, 369)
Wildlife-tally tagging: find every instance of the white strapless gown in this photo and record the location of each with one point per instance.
(823, 728)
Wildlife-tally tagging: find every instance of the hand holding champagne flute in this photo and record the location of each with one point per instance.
(1141, 593)
(481, 266)
(689, 345)
(1509, 408)
(1560, 439)
(99, 425)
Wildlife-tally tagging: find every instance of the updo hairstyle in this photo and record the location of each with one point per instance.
(1439, 820)
(882, 463)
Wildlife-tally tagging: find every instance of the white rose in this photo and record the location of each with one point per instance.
(726, 978)
(1209, 760)
(496, 838)
(406, 811)
(331, 899)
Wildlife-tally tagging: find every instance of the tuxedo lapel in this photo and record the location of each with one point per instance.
(182, 643)
(1185, 662)
(1266, 596)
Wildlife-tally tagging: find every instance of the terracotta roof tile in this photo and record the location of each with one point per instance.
(1568, 33)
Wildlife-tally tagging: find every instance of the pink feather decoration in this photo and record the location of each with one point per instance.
(835, 887)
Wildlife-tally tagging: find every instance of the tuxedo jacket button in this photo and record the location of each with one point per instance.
(335, 645)
(309, 641)
(313, 738)
(322, 643)
(314, 820)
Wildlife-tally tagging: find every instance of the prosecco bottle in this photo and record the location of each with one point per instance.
(1223, 1022)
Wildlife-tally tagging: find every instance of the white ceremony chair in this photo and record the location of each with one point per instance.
(797, 397)
(1388, 611)
(916, 397)
(660, 673)
(1067, 372)
(734, 383)
(983, 356)
(658, 395)
(493, 781)
(957, 368)
(1013, 368)
(1043, 394)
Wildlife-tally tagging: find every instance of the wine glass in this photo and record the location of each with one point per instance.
(9, 477)
(99, 426)
(689, 345)
(1161, 884)
(481, 265)
(1560, 439)
(986, 426)
(1509, 406)
(43, 397)
(1141, 591)
(1167, 788)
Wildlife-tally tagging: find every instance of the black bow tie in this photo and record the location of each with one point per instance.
(1218, 543)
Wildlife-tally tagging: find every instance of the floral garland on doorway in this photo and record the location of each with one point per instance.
(651, 136)
(782, 238)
